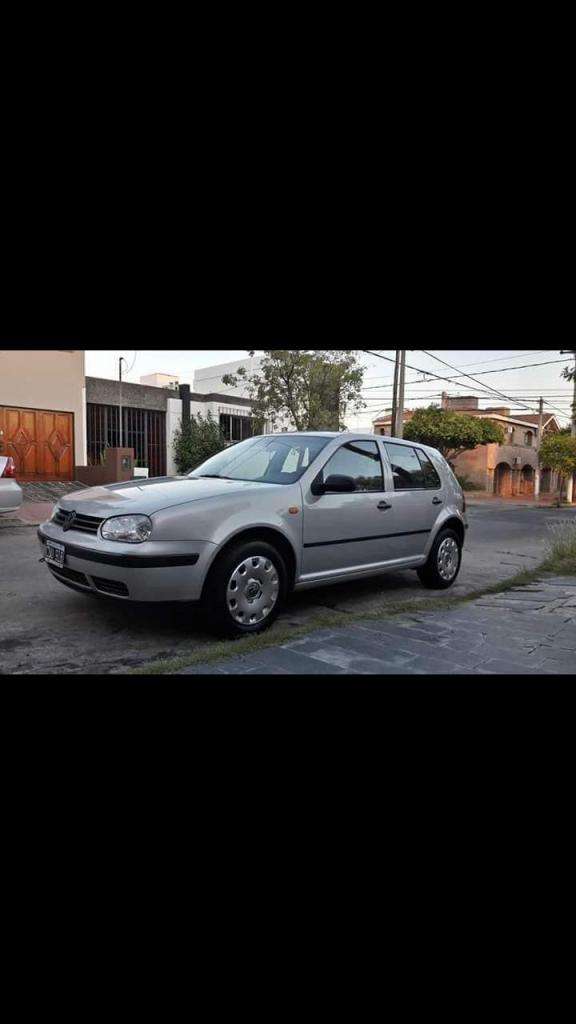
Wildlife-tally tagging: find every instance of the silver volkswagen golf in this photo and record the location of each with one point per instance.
(272, 514)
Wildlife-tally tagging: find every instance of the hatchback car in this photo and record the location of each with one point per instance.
(10, 490)
(272, 514)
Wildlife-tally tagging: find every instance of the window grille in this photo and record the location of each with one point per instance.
(144, 430)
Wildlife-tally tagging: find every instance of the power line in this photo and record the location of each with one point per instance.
(479, 373)
(483, 388)
(482, 362)
(487, 386)
(493, 390)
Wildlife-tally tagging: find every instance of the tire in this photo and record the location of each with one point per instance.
(246, 589)
(443, 565)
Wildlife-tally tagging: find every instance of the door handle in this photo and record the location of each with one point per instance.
(436, 501)
(383, 505)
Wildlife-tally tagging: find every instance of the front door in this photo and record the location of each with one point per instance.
(343, 532)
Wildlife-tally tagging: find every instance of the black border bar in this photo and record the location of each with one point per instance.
(357, 540)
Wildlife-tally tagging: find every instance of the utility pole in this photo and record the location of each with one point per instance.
(570, 480)
(400, 428)
(394, 423)
(120, 374)
(538, 443)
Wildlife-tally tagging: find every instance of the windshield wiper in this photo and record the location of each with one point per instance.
(212, 476)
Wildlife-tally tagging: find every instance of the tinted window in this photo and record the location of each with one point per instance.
(361, 461)
(431, 478)
(406, 468)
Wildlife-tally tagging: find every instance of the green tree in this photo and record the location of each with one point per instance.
(312, 390)
(558, 452)
(196, 441)
(451, 432)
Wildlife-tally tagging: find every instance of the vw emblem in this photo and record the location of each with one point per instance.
(69, 521)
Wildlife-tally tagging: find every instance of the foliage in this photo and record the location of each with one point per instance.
(451, 432)
(312, 390)
(558, 451)
(569, 372)
(467, 484)
(196, 441)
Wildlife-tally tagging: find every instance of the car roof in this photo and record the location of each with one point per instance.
(344, 434)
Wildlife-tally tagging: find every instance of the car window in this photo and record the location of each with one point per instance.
(431, 478)
(270, 459)
(256, 465)
(407, 470)
(360, 460)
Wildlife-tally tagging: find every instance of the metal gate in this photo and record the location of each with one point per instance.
(144, 430)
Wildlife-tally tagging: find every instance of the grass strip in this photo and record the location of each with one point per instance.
(221, 650)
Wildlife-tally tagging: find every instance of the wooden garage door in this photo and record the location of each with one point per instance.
(40, 442)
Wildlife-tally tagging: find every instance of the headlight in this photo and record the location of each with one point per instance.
(128, 529)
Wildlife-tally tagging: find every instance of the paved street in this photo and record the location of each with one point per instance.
(44, 627)
(525, 631)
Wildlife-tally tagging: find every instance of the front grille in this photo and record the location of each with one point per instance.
(110, 586)
(82, 523)
(70, 574)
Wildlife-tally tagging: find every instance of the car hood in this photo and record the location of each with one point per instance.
(149, 496)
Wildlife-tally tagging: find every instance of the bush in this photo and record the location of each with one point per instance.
(467, 484)
(196, 441)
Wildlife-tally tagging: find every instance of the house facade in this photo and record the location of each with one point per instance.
(43, 412)
(151, 415)
(506, 469)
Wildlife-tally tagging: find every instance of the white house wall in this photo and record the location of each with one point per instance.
(208, 379)
(47, 379)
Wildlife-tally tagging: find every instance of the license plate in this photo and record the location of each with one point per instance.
(55, 553)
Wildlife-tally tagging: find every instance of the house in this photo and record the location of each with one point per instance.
(506, 469)
(54, 420)
(151, 414)
(43, 412)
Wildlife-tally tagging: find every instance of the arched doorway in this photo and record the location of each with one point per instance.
(503, 480)
(527, 480)
(545, 476)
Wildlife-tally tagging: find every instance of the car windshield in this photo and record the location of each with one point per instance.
(264, 460)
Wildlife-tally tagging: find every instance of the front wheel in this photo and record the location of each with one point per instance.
(246, 589)
(443, 563)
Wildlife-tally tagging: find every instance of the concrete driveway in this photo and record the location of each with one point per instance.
(44, 627)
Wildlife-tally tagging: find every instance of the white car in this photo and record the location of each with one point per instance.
(10, 491)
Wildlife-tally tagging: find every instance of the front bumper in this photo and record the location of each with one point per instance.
(156, 571)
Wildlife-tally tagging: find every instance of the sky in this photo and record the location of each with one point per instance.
(523, 386)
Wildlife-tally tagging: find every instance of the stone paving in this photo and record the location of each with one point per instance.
(525, 631)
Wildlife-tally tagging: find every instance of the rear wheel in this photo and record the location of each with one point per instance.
(444, 561)
(246, 589)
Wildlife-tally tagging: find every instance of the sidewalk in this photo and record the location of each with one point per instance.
(39, 500)
(526, 501)
(525, 631)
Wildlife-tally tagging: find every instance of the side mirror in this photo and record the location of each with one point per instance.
(334, 484)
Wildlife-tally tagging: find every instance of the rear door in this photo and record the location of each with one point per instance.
(416, 495)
